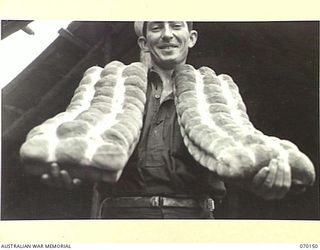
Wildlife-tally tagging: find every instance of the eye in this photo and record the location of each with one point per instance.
(155, 28)
(176, 25)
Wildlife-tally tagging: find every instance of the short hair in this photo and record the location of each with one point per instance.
(144, 27)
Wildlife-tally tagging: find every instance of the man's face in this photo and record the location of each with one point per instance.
(168, 42)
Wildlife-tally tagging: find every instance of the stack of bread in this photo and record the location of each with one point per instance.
(99, 129)
(219, 134)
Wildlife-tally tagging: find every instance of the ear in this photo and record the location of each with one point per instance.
(193, 36)
(142, 41)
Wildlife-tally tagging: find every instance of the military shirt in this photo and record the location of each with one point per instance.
(161, 163)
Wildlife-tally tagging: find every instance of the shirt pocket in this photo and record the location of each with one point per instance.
(156, 171)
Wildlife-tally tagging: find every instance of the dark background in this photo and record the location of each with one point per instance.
(275, 64)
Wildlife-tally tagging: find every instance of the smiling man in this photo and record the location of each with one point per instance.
(161, 179)
(168, 43)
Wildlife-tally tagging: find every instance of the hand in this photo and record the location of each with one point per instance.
(57, 177)
(274, 181)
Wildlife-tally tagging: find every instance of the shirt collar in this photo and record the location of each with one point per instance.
(153, 76)
(155, 79)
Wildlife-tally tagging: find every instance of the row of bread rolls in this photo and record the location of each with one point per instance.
(99, 129)
(219, 134)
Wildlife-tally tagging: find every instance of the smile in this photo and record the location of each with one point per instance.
(168, 46)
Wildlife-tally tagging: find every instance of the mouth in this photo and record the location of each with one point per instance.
(168, 46)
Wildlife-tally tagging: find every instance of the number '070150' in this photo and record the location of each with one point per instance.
(304, 245)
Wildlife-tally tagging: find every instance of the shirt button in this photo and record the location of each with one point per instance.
(157, 96)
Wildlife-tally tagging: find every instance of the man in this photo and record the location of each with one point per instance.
(161, 179)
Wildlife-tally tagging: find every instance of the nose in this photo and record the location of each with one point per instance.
(167, 32)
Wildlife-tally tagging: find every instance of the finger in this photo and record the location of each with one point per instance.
(49, 181)
(279, 178)
(46, 179)
(260, 177)
(270, 180)
(287, 177)
(77, 182)
(286, 180)
(279, 189)
(223, 170)
(55, 170)
(266, 189)
(66, 179)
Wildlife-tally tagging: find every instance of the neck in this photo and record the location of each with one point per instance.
(164, 73)
(165, 76)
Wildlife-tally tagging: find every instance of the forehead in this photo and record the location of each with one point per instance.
(151, 23)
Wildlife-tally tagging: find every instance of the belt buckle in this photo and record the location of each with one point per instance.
(209, 204)
(156, 201)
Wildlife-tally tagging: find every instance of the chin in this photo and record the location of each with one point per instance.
(170, 64)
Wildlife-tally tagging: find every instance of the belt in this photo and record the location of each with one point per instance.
(158, 202)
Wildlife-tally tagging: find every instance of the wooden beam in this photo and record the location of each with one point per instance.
(48, 103)
(9, 27)
(67, 34)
